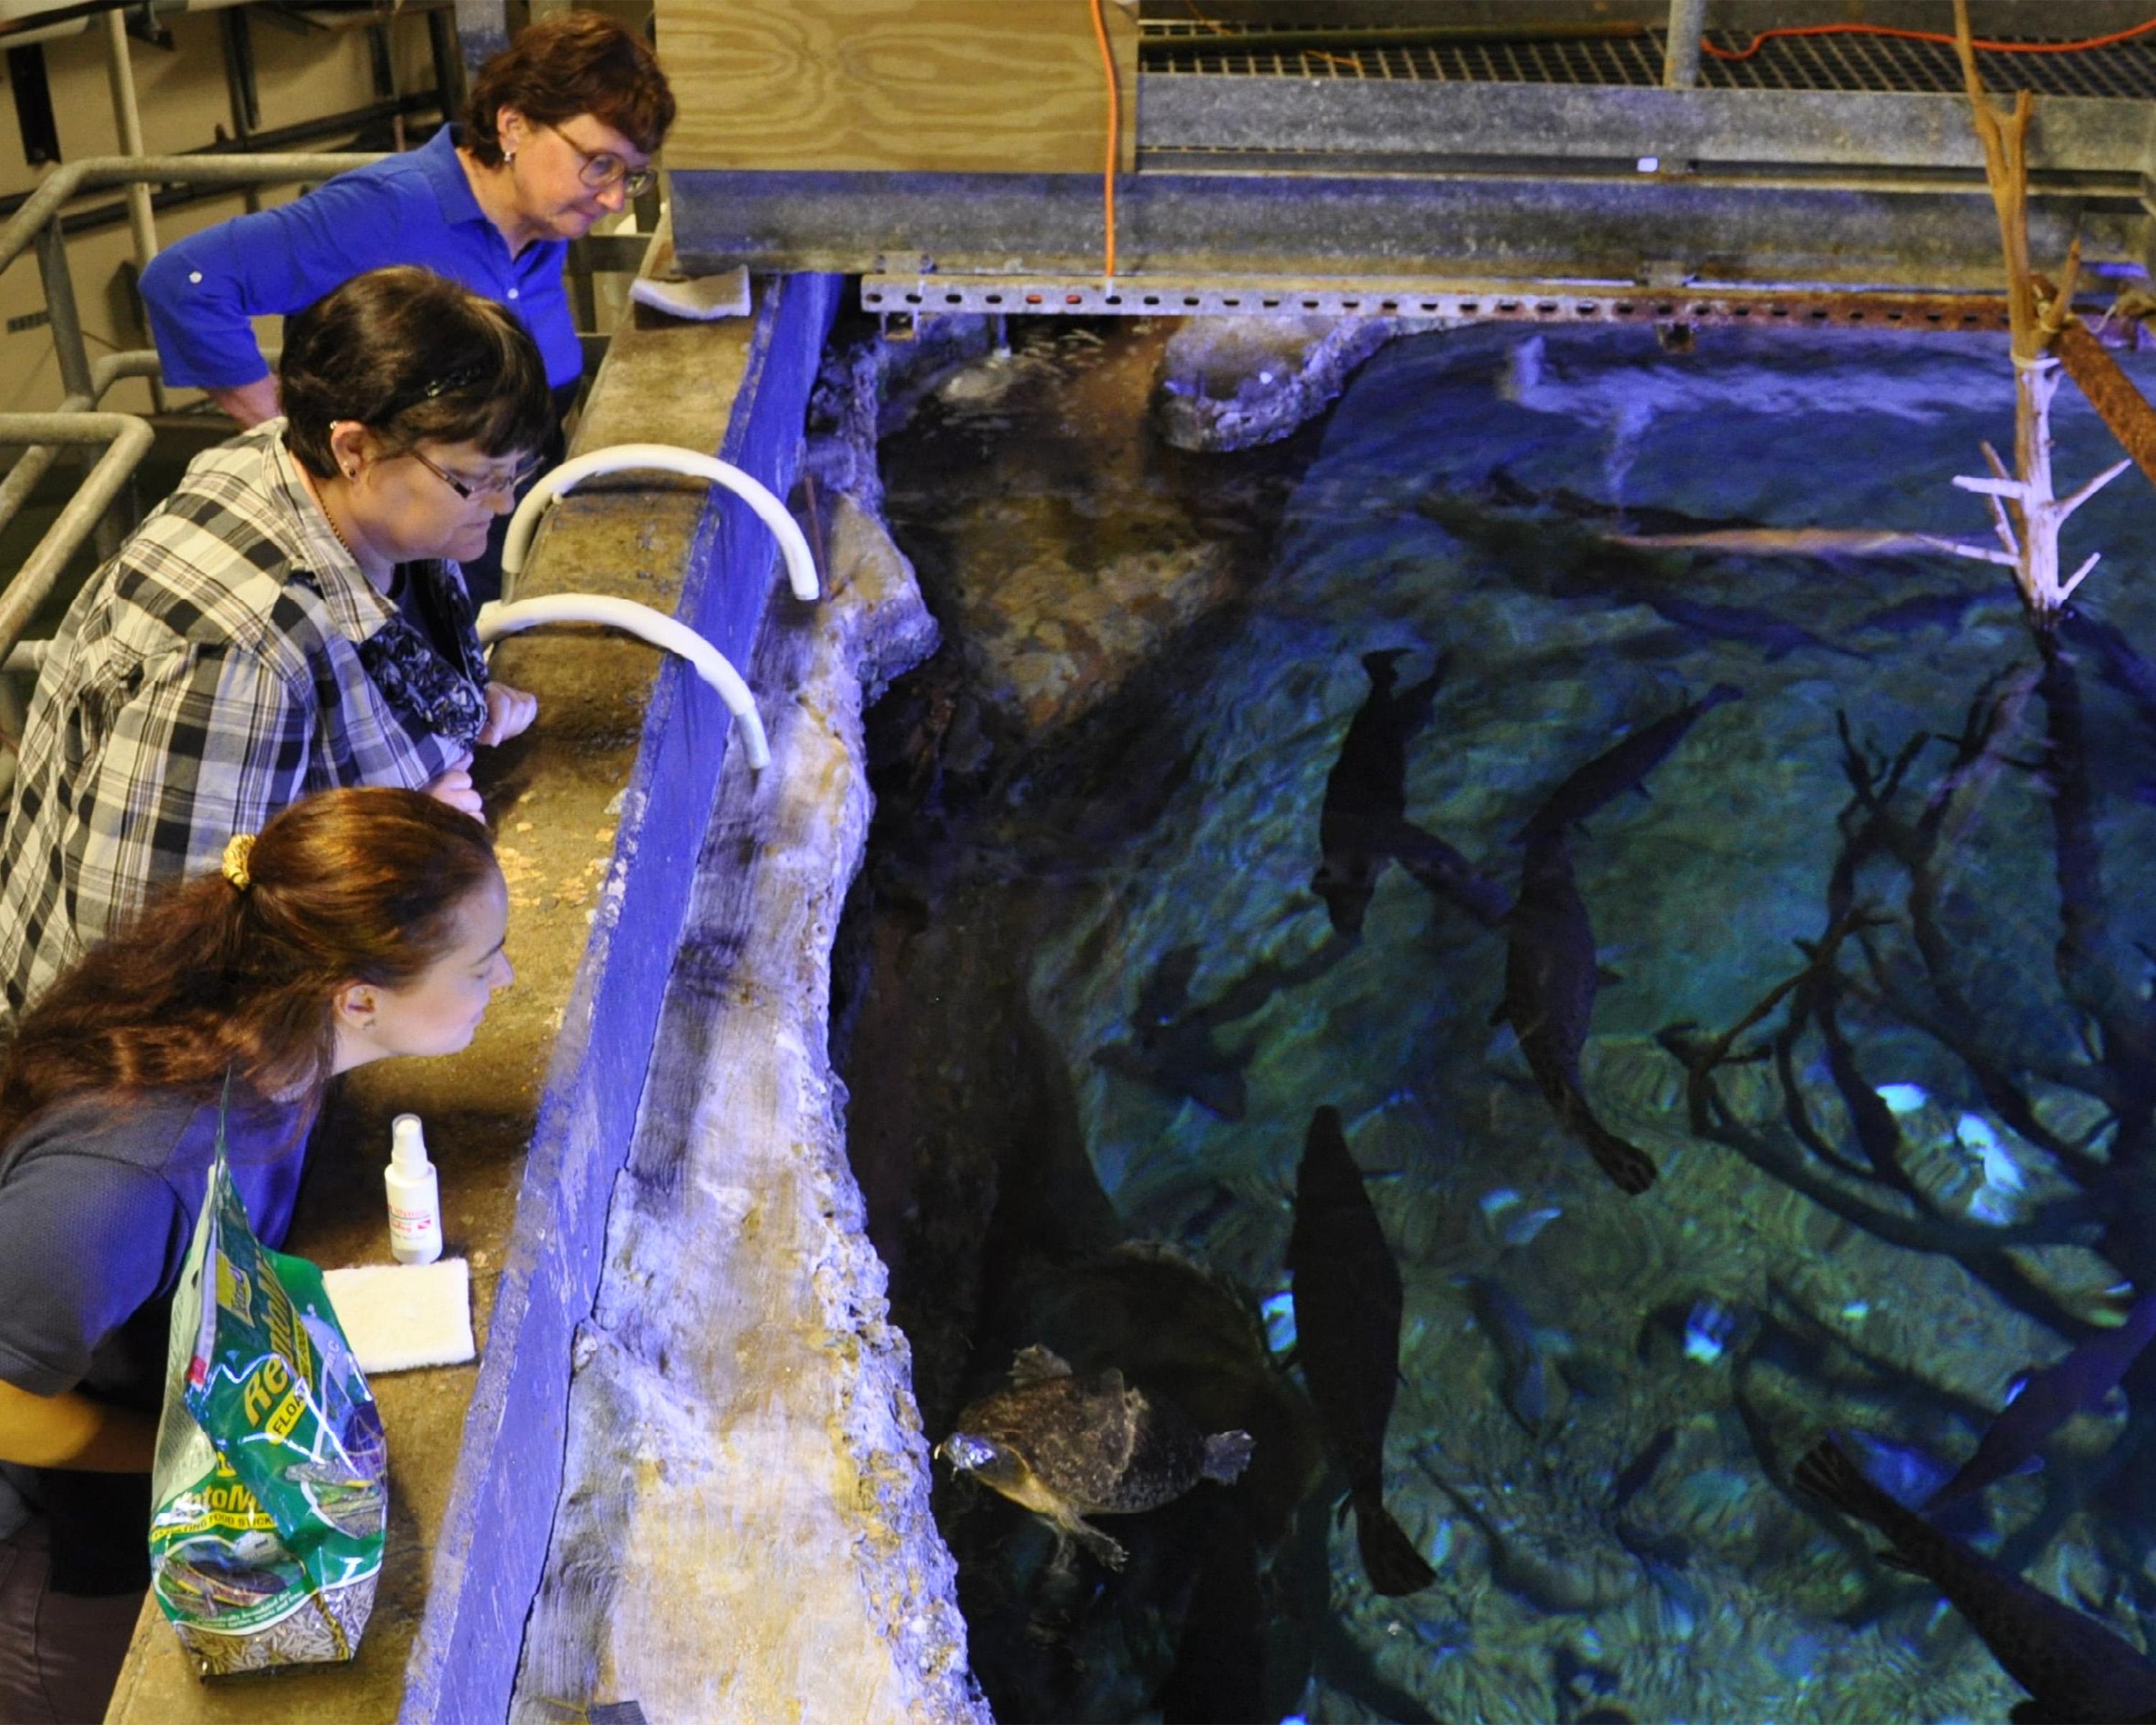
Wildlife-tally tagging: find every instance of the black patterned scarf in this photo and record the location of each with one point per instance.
(426, 660)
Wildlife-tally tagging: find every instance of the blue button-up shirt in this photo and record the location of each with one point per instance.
(413, 208)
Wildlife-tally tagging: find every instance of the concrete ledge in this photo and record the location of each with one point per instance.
(599, 810)
(494, 1530)
(744, 1531)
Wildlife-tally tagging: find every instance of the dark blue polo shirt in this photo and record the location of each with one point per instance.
(99, 1196)
(416, 208)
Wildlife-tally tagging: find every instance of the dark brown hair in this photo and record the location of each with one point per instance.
(415, 357)
(571, 63)
(357, 885)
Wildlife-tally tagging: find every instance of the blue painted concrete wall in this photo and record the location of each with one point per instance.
(499, 1518)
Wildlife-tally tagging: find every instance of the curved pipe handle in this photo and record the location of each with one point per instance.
(496, 620)
(621, 458)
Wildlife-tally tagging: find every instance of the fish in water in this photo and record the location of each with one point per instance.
(1366, 792)
(1927, 610)
(2050, 1398)
(1066, 1447)
(2077, 1672)
(1636, 517)
(1742, 625)
(1623, 768)
(1184, 1061)
(1173, 1049)
(2125, 667)
(1550, 983)
(1347, 1293)
(1519, 1348)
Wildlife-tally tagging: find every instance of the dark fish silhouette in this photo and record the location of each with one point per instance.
(1172, 1050)
(1639, 1471)
(1631, 518)
(1623, 767)
(2077, 1672)
(1439, 868)
(1742, 625)
(2125, 667)
(1364, 822)
(2050, 1398)
(1927, 610)
(1172, 1047)
(1347, 1294)
(1511, 1331)
(1184, 1061)
(1550, 983)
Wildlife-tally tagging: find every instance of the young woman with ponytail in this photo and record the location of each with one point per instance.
(359, 924)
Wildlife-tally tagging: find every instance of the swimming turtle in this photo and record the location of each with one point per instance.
(1066, 1447)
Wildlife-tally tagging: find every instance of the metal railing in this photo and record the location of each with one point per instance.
(77, 421)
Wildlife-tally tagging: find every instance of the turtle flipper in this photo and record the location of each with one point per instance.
(1227, 1454)
(1035, 1365)
(1094, 1540)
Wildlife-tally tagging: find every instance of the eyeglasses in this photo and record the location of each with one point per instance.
(507, 484)
(603, 168)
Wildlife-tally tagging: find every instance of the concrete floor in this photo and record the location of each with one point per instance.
(554, 797)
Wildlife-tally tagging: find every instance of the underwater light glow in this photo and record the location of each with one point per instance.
(1706, 1332)
(1279, 1313)
(1903, 1098)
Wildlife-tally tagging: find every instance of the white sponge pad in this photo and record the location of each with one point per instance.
(399, 1316)
(724, 294)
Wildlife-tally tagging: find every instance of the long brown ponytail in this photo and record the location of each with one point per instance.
(350, 886)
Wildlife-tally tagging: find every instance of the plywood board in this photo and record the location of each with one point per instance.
(949, 86)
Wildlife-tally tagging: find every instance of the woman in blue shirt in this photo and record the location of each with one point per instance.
(361, 924)
(560, 128)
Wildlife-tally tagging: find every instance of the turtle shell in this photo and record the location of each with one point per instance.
(1095, 1442)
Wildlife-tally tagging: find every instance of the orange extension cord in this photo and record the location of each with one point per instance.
(1765, 37)
(1115, 147)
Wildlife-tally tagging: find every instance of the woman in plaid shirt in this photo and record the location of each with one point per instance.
(291, 619)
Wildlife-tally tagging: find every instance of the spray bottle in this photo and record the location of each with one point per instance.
(415, 1199)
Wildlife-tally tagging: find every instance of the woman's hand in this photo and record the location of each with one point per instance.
(455, 786)
(509, 711)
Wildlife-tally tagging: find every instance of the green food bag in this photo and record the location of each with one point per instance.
(271, 1480)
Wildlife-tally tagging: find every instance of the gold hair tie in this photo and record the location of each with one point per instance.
(236, 850)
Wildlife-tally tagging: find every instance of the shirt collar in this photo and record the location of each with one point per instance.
(352, 598)
(438, 159)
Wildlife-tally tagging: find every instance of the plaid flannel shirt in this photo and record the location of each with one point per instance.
(229, 661)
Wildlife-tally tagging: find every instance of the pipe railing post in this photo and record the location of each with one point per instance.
(68, 343)
(127, 117)
(1681, 53)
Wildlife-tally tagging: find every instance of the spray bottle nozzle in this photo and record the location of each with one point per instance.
(407, 1144)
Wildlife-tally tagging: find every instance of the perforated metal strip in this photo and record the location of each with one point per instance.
(1035, 296)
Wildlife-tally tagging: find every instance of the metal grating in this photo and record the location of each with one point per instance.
(1875, 64)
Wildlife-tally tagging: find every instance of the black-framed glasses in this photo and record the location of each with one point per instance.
(470, 489)
(603, 168)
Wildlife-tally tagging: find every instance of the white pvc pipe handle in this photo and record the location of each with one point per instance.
(496, 620)
(621, 458)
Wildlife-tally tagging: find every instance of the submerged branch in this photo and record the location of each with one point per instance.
(1713, 1119)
